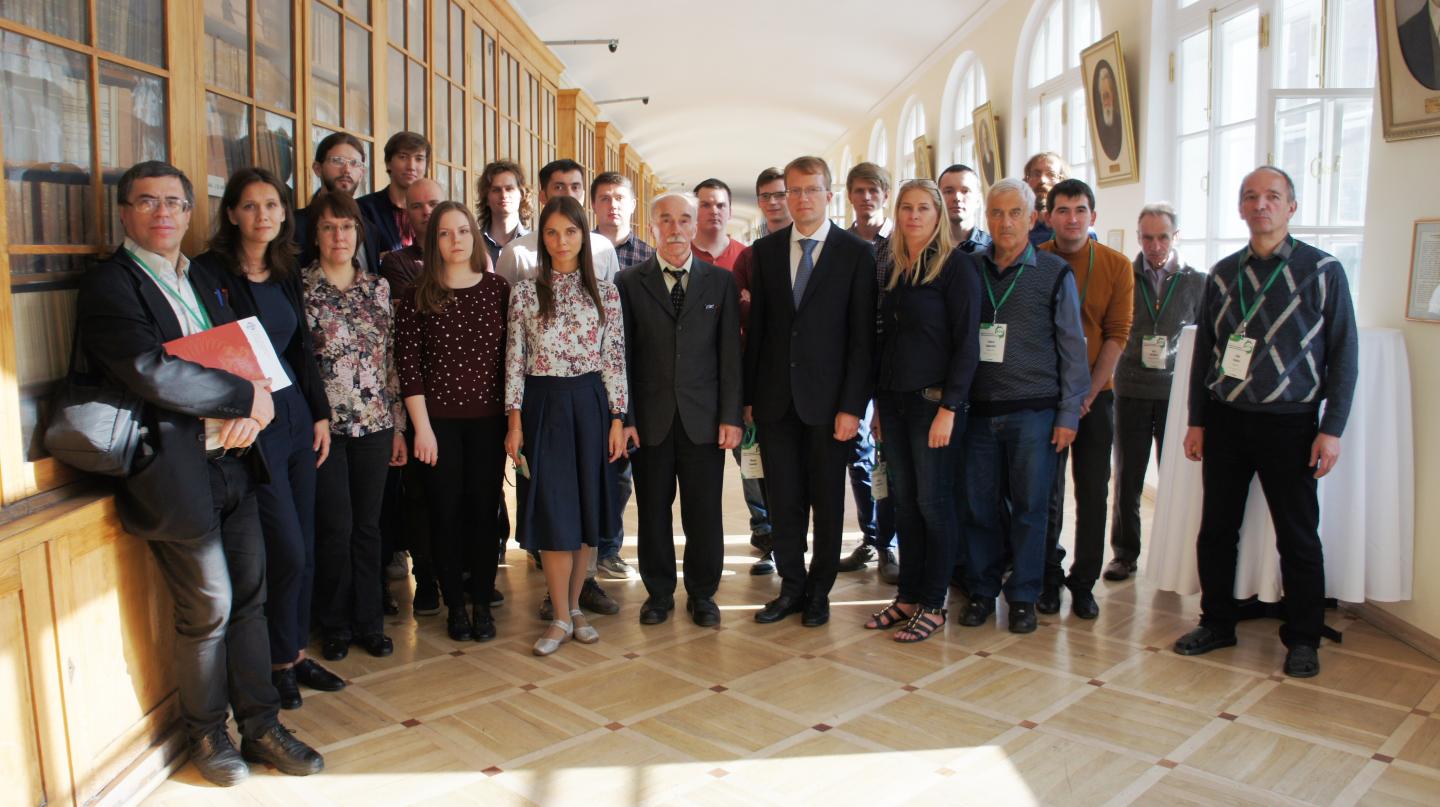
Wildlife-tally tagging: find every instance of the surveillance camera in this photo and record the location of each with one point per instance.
(614, 45)
(645, 100)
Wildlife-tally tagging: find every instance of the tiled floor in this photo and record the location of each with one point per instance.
(1083, 713)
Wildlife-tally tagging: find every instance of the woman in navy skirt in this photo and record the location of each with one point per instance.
(565, 396)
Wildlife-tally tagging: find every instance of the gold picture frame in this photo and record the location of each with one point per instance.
(1108, 113)
(1409, 69)
(1422, 294)
(924, 160)
(987, 146)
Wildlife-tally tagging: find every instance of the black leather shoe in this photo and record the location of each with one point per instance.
(779, 608)
(703, 611)
(1049, 600)
(289, 689)
(656, 610)
(311, 674)
(1083, 605)
(977, 612)
(457, 625)
(388, 603)
(482, 625)
(1022, 617)
(335, 648)
(1302, 661)
(377, 644)
(496, 598)
(763, 566)
(593, 598)
(761, 543)
(427, 600)
(817, 611)
(217, 760)
(278, 747)
(1117, 570)
(858, 558)
(1203, 640)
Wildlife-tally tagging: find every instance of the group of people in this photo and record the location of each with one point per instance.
(948, 353)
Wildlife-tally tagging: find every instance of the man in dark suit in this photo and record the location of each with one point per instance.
(1420, 44)
(191, 491)
(808, 377)
(682, 343)
(407, 160)
(340, 167)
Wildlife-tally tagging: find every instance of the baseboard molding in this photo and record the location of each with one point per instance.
(1397, 627)
(142, 776)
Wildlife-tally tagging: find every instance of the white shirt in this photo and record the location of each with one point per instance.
(797, 251)
(520, 260)
(669, 278)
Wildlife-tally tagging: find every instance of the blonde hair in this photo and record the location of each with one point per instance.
(926, 265)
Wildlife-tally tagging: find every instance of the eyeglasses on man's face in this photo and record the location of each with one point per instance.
(811, 191)
(773, 196)
(346, 163)
(150, 204)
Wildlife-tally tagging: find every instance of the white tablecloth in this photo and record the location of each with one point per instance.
(1367, 502)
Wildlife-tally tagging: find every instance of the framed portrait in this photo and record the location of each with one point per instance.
(924, 164)
(1107, 94)
(987, 145)
(1422, 302)
(1409, 49)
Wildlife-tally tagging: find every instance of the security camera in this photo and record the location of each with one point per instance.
(614, 45)
(645, 100)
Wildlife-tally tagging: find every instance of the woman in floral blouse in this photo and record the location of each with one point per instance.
(451, 349)
(348, 311)
(565, 393)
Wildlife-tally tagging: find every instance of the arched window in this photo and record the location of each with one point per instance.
(964, 91)
(838, 202)
(912, 125)
(879, 145)
(1053, 94)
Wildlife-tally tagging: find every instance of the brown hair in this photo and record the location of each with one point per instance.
(767, 176)
(487, 176)
(406, 141)
(338, 206)
(431, 294)
(571, 210)
(280, 252)
(808, 165)
(869, 172)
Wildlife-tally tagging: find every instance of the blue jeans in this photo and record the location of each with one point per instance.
(754, 490)
(1014, 447)
(877, 519)
(922, 491)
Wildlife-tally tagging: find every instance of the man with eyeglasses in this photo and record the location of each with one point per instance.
(1042, 172)
(808, 376)
(340, 167)
(960, 188)
(407, 158)
(191, 491)
(712, 245)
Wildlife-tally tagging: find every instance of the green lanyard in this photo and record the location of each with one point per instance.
(199, 318)
(990, 291)
(1247, 311)
(748, 440)
(1156, 313)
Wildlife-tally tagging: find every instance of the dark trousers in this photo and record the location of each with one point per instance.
(922, 490)
(754, 491)
(413, 513)
(609, 545)
(348, 492)
(804, 476)
(287, 516)
(217, 583)
(1138, 423)
(1238, 445)
(1089, 457)
(877, 518)
(464, 491)
(699, 468)
(1009, 467)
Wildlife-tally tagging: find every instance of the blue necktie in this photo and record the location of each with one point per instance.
(802, 273)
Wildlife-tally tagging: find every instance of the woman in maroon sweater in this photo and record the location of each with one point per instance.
(450, 346)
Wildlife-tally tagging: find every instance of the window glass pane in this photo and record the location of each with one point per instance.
(275, 145)
(397, 21)
(491, 151)
(227, 46)
(44, 328)
(395, 90)
(273, 57)
(1084, 30)
(359, 9)
(1194, 68)
(414, 26)
(1298, 150)
(1351, 42)
(67, 18)
(439, 36)
(477, 132)
(45, 110)
(1297, 62)
(132, 28)
(1237, 158)
(132, 130)
(1077, 140)
(457, 49)
(487, 61)
(357, 78)
(457, 123)
(441, 141)
(1192, 202)
(1239, 63)
(415, 86)
(457, 185)
(1350, 165)
(227, 128)
(325, 64)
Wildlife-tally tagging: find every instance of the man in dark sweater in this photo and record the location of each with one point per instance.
(1276, 337)
(1167, 298)
(1024, 407)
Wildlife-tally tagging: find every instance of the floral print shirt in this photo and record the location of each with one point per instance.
(572, 342)
(355, 348)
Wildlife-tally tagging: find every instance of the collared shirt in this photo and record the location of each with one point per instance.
(978, 242)
(1156, 275)
(796, 251)
(520, 259)
(725, 258)
(884, 234)
(666, 268)
(632, 251)
(494, 247)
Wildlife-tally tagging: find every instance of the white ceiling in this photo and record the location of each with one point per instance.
(738, 85)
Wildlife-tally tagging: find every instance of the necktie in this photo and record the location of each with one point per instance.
(802, 272)
(677, 291)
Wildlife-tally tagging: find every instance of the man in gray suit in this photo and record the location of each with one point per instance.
(682, 344)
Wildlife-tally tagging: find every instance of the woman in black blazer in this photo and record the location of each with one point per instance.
(253, 252)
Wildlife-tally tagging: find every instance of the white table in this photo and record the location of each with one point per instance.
(1367, 502)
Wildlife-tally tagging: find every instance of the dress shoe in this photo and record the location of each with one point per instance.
(457, 625)
(1049, 600)
(703, 611)
(544, 646)
(278, 747)
(309, 672)
(779, 608)
(482, 625)
(594, 599)
(858, 558)
(217, 760)
(656, 610)
(335, 648)
(1083, 605)
(763, 566)
(377, 644)
(817, 611)
(889, 567)
(1117, 570)
(1202, 640)
(427, 599)
(761, 542)
(977, 612)
(1302, 661)
(547, 610)
(496, 598)
(388, 603)
(1022, 617)
(287, 687)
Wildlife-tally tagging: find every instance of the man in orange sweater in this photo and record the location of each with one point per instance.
(1107, 289)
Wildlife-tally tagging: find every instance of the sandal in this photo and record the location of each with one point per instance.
(584, 634)
(890, 617)
(544, 647)
(921, 625)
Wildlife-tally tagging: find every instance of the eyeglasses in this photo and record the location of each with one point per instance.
(344, 227)
(1036, 173)
(813, 190)
(344, 162)
(773, 196)
(150, 204)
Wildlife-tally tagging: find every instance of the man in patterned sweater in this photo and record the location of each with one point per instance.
(1276, 336)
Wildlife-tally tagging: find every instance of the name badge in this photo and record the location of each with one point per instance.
(879, 478)
(1238, 352)
(992, 342)
(1152, 352)
(750, 465)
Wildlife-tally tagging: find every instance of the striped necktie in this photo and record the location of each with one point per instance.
(802, 272)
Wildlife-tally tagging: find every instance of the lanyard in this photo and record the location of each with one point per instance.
(1156, 313)
(990, 291)
(200, 318)
(1247, 311)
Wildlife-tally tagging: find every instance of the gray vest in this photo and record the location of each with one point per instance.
(1031, 370)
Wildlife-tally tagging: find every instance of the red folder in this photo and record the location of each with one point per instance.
(241, 348)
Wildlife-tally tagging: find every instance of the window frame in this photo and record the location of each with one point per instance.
(1067, 86)
(967, 69)
(913, 124)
